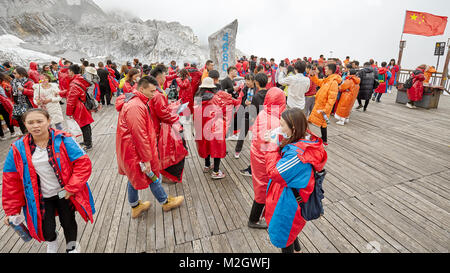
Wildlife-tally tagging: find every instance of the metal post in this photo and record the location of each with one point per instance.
(402, 46)
(447, 61)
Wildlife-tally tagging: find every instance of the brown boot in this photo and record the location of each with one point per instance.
(172, 203)
(137, 211)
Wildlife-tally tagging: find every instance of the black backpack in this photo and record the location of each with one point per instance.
(173, 91)
(408, 84)
(91, 104)
(313, 209)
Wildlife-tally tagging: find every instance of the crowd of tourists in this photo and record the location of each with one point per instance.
(273, 104)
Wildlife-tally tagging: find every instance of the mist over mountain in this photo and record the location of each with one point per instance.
(42, 30)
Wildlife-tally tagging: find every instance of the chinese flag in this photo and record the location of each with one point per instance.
(422, 23)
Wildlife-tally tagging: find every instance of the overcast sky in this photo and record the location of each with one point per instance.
(362, 29)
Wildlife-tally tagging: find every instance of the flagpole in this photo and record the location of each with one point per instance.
(402, 46)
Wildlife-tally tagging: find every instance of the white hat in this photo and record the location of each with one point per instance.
(208, 83)
(91, 70)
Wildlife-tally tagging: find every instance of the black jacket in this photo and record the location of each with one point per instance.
(227, 85)
(366, 87)
(103, 75)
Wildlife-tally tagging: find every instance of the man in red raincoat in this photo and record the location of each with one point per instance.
(75, 106)
(171, 146)
(136, 144)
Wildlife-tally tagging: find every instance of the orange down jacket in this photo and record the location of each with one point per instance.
(325, 98)
(349, 91)
(428, 73)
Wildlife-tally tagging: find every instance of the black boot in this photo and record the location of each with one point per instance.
(255, 215)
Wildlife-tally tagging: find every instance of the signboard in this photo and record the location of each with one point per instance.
(222, 47)
(440, 49)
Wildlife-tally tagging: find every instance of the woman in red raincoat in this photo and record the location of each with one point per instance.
(6, 108)
(291, 168)
(33, 74)
(394, 69)
(267, 120)
(37, 168)
(212, 117)
(415, 93)
(186, 95)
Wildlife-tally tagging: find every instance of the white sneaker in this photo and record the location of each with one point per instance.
(233, 138)
(52, 247)
(409, 105)
(341, 122)
(16, 134)
(218, 175)
(347, 120)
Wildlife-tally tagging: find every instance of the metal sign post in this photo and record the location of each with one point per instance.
(439, 51)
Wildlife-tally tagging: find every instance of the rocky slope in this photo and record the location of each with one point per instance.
(79, 28)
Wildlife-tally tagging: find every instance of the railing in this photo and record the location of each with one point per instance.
(435, 80)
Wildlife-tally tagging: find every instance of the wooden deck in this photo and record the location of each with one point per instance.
(387, 190)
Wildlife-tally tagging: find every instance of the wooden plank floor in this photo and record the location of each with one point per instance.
(388, 190)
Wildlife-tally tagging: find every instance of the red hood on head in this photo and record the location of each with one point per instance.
(79, 80)
(314, 153)
(275, 101)
(382, 70)
(33, 66)
(245, 65)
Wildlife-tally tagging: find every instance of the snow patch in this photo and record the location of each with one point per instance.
(10, 50)
(74, 2)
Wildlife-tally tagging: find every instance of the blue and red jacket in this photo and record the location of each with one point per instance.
(293, 169)
(20, 190)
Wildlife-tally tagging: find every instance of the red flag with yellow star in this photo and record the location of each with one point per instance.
(426, 24)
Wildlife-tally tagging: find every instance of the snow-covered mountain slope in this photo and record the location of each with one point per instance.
(79, 28)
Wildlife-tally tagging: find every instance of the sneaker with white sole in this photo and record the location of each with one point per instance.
(2, 138)
(207, 169)
(409, 105)
(218, 175)
(16, 134)
(52, 247)
(237, 155)
(233, 138)
(341, 122)
(347, 120)
(246, 172)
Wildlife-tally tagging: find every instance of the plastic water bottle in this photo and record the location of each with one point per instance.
(150, 175)
(19, 227)
(250, 95)
(275, 135)
(325, 117)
